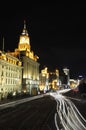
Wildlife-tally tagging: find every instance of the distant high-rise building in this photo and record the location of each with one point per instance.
(66, 76)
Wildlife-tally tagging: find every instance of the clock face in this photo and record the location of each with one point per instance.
(23, 39)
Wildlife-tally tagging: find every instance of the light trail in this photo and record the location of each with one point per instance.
(69, 115)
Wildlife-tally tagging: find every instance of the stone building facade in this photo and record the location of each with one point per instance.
(10, 75)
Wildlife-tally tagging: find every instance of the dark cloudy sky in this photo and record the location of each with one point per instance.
(57, 33)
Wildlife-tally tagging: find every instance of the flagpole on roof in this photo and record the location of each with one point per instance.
(3, 45)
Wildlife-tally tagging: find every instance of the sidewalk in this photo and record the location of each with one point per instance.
(3, 101)
(6, 101)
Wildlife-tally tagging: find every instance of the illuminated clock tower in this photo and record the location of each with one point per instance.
(24, 42)
(30, 64)
(30, 74)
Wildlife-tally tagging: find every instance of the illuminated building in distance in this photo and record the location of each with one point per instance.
(44, 80)
(54, 80)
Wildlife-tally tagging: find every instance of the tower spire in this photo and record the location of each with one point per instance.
(24, 24)
(24, 29)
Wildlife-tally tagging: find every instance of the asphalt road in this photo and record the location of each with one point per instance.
(39, 114)
(33, 115)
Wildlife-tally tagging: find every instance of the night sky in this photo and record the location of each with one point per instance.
(57, 33)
